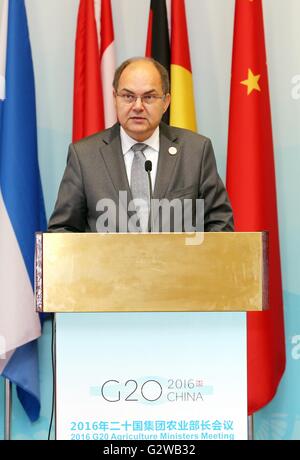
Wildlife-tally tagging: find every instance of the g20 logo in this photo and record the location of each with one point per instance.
(131, 391)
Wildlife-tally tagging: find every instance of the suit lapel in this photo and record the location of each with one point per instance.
(113, 157)
(166, 161)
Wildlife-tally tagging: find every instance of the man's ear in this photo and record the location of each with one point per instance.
(115, 98)
(167, 101)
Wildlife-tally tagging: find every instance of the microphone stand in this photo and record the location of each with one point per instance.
(148, 169)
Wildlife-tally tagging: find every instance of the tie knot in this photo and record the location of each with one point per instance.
(139, 147)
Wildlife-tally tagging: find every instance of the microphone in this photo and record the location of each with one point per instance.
(148, 166)
(148, 169)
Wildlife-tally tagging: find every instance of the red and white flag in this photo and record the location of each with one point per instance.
(93, 108)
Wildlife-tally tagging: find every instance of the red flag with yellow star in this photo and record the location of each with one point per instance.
(252, 190)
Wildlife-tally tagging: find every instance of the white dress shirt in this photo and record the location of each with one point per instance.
(150, 152)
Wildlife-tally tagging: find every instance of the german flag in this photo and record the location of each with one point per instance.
(182, 112)
(174, 54)
(158, 41)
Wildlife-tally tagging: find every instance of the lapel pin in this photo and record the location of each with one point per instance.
(172, 150)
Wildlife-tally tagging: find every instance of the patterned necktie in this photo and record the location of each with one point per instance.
(140, 186)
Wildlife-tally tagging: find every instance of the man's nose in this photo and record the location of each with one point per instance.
(138, 104)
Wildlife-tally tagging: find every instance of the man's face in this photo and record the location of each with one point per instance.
(139, 119)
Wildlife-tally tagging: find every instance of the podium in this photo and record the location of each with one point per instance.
(158, 350)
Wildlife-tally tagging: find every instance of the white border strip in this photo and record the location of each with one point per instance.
(3, 41)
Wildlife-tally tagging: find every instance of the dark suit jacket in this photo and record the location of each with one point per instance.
(96, 170)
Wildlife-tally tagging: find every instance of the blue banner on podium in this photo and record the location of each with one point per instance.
(151, 376)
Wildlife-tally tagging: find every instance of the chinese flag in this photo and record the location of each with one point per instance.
(94, 67)
(158, 41)
(252, 190)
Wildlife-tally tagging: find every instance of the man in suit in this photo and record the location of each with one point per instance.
(102, 177)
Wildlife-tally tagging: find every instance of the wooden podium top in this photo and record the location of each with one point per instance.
(92, 272)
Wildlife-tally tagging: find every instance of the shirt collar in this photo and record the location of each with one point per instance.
(127, 142)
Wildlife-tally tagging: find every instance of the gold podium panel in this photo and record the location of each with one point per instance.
(92, 272)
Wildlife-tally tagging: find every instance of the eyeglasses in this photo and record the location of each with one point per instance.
(147, 99)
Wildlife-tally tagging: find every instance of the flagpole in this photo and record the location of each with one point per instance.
(250, 428)
(7, 399)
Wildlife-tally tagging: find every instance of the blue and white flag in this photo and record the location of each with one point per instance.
(21, 207)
